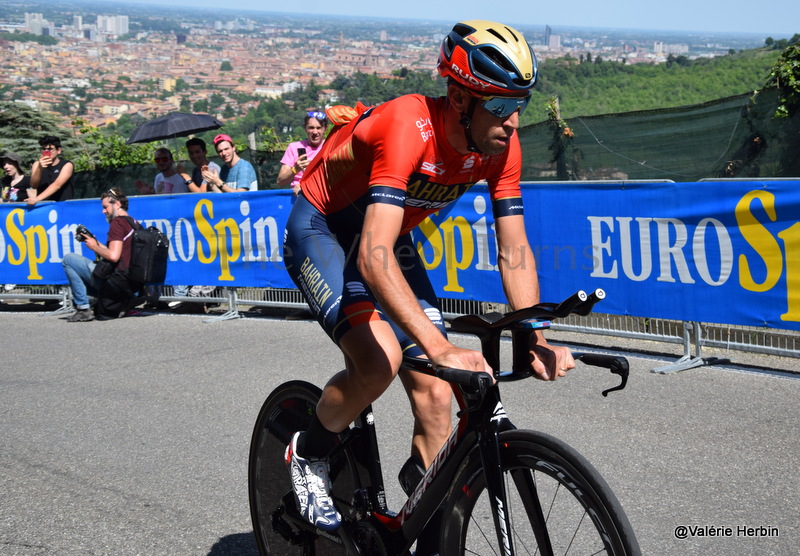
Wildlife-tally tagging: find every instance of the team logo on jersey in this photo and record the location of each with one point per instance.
(425, 194)
(425, 128)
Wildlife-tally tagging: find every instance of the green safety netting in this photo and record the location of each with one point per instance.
(735, 137)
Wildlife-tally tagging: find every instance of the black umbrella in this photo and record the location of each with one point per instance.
(174, 124)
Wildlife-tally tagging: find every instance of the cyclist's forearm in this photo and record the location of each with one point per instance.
(520, 279)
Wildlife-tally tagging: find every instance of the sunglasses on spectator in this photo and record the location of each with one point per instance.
(503, 107)
(318, 115)
(161, 158)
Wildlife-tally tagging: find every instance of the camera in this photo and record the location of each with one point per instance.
(81, 233)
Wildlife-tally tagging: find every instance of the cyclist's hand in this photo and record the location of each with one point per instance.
(460, 358)
(549, 362)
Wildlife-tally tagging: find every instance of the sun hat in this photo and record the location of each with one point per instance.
(13, 158)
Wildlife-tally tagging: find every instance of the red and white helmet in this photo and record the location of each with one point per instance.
(488, 58)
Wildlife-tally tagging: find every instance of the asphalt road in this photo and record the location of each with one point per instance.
(131, 437)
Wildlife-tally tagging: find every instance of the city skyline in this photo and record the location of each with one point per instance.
(717, 16)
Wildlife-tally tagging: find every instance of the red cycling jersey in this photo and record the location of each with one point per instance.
(398, 153)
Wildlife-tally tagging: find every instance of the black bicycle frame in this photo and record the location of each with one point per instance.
(478, 427)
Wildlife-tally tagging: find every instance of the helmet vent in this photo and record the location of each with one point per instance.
(497, 57)
(497, 35)
(462, 30)
(512, 33)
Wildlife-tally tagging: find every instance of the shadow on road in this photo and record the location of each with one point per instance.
(238, 544)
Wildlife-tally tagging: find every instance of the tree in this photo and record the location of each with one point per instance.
(785, 76)
(225, 66)
(216, 101)
(201, 106)
(105, 151)
(21, 127)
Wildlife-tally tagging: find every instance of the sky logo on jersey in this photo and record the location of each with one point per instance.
(436, 169)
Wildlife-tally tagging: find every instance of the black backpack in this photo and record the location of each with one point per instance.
(149, 255)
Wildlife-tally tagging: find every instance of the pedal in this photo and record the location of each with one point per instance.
(411, 474)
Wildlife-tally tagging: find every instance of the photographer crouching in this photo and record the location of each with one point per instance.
(99, 278)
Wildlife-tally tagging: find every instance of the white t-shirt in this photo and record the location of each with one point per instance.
(172, 184)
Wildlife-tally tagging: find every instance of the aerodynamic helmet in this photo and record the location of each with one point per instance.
(488, 58)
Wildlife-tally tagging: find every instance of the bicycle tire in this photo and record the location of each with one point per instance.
(286, 410)
(581, 514)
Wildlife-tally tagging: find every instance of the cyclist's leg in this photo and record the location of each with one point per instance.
(319, 258)
(430, 397)
(373, 358)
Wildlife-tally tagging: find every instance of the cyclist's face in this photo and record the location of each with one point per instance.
(491, 134)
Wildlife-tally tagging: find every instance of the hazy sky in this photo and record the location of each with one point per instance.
(775, 18)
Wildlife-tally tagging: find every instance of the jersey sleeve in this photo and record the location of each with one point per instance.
(504, 186)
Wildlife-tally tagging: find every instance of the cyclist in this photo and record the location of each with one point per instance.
(347, 244)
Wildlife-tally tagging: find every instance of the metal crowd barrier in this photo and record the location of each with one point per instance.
(692, 335)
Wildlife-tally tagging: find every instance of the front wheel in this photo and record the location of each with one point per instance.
(557, 504)
(288, 409)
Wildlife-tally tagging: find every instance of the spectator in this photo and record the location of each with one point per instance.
(236, 175)
(168, 180)
(84, 276)
(51, 176)
(295, 160)
(15, 183)
(198, 154)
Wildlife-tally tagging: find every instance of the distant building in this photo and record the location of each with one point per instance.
(113, 24)
(36, 23)
(664, 48)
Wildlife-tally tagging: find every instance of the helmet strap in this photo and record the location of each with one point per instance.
(466, 123)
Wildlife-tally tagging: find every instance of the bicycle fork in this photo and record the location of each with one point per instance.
(490, 448)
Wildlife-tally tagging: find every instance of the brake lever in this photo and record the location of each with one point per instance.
(616, 364)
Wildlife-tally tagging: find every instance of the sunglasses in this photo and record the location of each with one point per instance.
(503, 107)
(318, 115)
(161, 158)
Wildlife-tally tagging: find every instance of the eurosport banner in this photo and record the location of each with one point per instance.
(726, 252)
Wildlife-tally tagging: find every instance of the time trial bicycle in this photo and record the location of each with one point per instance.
(495, 489)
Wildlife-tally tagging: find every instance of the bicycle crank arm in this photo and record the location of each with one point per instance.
(615, 363)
